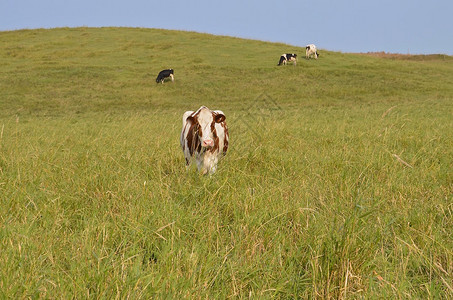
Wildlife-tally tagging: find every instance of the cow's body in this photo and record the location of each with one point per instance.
(286, 57)
(165, 74)
(204, 136)
(311, 50)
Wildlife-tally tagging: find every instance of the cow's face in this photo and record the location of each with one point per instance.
(205, 126)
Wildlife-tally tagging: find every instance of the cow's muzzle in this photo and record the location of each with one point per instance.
(208, 143)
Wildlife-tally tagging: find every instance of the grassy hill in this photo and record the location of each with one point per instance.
(338, 181)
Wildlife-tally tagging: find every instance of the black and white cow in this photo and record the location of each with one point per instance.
(311, 50)
(204, 136)
(286, 57)
(165, 74)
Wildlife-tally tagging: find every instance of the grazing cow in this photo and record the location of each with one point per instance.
(165, 74)
(285, 57)
(311, 50)
(204, 136)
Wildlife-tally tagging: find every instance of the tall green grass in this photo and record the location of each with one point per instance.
(338, 182)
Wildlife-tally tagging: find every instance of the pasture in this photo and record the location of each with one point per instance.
(338, 182)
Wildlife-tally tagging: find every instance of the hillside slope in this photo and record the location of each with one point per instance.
(78, 69)
(338, 180)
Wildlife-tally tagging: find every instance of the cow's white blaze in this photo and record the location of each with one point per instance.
(205, 119)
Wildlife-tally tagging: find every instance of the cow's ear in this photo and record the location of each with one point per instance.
(190, 119)
(219, 118)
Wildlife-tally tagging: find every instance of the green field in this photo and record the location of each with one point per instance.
(338, 182)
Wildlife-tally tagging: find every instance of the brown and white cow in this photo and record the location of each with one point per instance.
(204, 136)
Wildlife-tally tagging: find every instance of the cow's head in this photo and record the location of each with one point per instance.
(205, 121)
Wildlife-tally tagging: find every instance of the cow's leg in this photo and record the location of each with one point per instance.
(186, 151)
(210, 163)
(200, 165)
(212, 169)
(213, 165)
(187, 164)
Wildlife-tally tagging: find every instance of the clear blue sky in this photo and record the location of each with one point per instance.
(402, 26)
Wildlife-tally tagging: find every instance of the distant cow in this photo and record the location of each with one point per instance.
(311, 50)
(284, 58)
(165, 74)
(204, 136)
